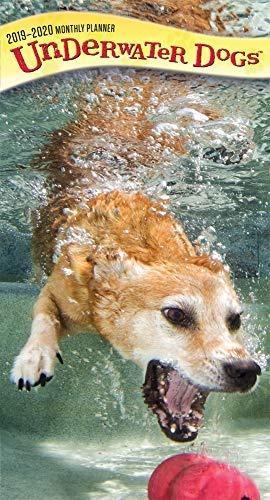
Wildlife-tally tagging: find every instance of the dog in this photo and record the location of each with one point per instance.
(119, 263)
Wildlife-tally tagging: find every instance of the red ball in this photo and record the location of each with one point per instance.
(196, 477)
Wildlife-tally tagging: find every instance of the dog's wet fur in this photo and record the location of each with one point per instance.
(121, 264)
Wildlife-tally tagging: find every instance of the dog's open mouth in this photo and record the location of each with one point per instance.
(177, 403)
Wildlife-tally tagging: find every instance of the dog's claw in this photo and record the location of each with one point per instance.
(42, 379)
(59, 357)
(20, 384)
(34, 366)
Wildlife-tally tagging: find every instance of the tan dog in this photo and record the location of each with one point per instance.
(120, 264)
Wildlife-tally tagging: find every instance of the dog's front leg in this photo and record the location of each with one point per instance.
(35, 363)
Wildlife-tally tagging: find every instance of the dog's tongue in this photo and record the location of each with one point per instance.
(180, 394)
(177, 403)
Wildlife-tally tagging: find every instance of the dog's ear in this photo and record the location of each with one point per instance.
(108, 267)
(117, 266)
(81, 264)
(102, 267)
(212, 264)
(83, 267)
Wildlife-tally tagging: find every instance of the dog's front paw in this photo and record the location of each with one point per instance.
(34, 365)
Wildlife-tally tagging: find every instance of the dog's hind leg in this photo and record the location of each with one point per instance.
(35, 363)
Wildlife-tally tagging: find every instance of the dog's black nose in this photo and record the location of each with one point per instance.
(242, 374)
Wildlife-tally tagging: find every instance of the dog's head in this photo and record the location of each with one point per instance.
(182, 323)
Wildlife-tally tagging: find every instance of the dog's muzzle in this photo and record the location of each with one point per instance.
(241, 375)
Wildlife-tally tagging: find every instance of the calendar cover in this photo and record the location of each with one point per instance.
(134, 264)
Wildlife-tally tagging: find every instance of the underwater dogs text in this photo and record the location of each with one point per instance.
(30, 58)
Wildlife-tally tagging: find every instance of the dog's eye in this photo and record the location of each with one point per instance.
(176, 316)
(234, 322)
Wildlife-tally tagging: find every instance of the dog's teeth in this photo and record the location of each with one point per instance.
(162, 391)
(192, 428)
(165, 399)
(173, 428)
(197, 414)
